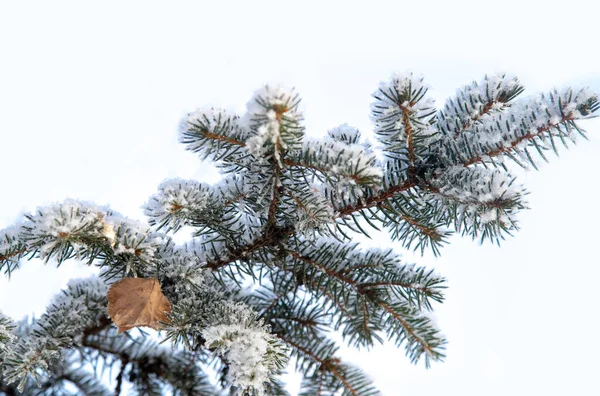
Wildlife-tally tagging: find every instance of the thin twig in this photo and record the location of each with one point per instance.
(124, 363)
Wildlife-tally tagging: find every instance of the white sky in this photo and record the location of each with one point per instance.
(91, 95)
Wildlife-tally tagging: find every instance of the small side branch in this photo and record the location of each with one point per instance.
(516, 142)
(409, 135)
(407, 328)
(329, 365)
(471, 121)
(374, 200)
(271, 237)
(12, 254)
(213, 136)
(124, 363)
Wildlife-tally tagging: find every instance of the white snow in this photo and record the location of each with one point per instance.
(346, 159)
(176, 201)
(345, 133)
(245, 349)
(264, 99)
(267, 139)
(269, 108)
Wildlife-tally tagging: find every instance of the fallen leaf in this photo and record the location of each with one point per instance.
(134, 302)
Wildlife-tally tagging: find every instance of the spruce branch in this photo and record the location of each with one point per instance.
(324, 373)
(420, 336)
(150, 362)
(531, 137)
(66, 371)
(181, 203)
(271, 237)
(215, 133)
(7, 328)
(478, 201)
(534, 122)
(475, 102)
(338, 161)
(375, 199)
(12, 249)
(82, 304)
(271, 262)
(403, 116)
(364, 302)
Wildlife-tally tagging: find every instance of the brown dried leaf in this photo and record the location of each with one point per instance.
(134, 302)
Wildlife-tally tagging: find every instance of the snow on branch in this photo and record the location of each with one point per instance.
(407, 215)
(179, 203)
(479, 200)
(272, 221)
(182, 270)
(214, 133)
(403, 115)
(345, 133)
(249, 353)
(275, 119)
(82, 304)
(135, 246)
(7, 336)
(532, 124)
(65, 230)
(75, 229)
(313, 212)
(350, 164)
(67, 370)
(12, 248)
(476, 101)
(232, 330)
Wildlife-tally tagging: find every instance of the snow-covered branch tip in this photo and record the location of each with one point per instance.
(275, 120)
(530, 125)
(179, 203)
(477, 101)
(84, 231)
(479, 200)
(403, 115)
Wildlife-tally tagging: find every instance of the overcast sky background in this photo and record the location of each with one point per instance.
(91, 94)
